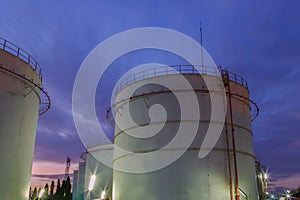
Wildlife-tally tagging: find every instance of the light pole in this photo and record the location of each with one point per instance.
(288, 195)
(41, 193)
(103, 193)
(91, 185)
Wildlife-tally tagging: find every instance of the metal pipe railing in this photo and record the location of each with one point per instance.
(181, 69)
(21, 54)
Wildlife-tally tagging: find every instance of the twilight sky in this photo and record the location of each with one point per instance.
(259, 40)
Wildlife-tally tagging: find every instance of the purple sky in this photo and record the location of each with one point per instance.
(259, 40)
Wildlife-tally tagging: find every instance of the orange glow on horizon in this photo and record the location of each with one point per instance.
(47, 168)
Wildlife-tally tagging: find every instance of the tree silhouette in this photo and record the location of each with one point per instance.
(58, 188)
(63, 188)
(68, 186)
(63, 191)
(52, 188)
(34, 194)
(66, 189)
(46, 188)
(297, 193)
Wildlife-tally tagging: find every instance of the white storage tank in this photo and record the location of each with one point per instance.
(102, 187)
(74, 185)
(22, 100)
(81, 180)
(190, 178)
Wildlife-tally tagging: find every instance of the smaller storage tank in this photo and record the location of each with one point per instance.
(81, 180)
(102, 188)
(74, 186)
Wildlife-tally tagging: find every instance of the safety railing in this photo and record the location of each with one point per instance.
(21, 54)
(181, 69)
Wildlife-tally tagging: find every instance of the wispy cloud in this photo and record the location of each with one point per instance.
(285, 182)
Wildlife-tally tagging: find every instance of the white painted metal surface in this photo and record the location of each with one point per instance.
(74, 185)
(19, 106)
(103, 174)
(81, 181)
(188, 178)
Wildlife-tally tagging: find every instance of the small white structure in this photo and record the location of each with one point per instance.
(93, 180)
(102, 187)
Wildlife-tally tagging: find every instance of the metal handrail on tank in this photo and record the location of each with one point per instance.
(185, 70)
(181, 69)
(83, 156)
(252, 105)
(21, 54)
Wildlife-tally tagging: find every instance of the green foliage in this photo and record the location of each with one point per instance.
(52, 188)
(297, 193)
(63, 192)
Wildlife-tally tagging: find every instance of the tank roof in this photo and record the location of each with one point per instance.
(181, 69)
(23, 55)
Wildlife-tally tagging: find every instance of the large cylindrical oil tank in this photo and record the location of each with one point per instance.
(20, 88)
(102, 188)
(189, 177)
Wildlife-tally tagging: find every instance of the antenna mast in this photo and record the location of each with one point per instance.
(68, 165)
(201, 42)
